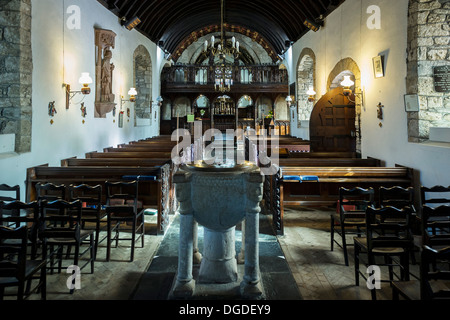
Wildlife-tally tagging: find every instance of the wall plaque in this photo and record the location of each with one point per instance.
(442, 79)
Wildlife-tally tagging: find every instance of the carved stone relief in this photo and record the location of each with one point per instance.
(104, 71)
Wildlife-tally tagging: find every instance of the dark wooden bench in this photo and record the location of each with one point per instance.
(329, 162)
(129, 154)
(319, 186)
(154, 183)
(114, 162)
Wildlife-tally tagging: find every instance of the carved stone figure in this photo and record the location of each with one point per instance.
(107, 76)
(104, 97)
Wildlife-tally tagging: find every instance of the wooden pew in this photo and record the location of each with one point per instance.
(114, 162)
(316, 155)
(329, 162)
(128, 154)
(152, 193)
(319, 186)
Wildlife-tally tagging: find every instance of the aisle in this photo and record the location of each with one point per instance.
(277, 279)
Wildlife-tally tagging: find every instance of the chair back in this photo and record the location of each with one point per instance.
(354, 202)
(435, 196)
(397, 197)
(388, 227)
(13, 253)
(90, 196)
(118, 191)
(9, 193)
(122, 197)
(50, 192)
(65, 220)
(431, 274)
(436, 226)
(27, 213)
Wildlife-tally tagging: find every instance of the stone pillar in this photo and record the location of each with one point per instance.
(428, 47)
(219, 257)
(185, 284)
(251, 284)
(16, 67)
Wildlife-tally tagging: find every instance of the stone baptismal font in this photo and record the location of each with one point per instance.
(218, 197)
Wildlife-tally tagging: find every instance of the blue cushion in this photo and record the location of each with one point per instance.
(291, 178)
(309, 178)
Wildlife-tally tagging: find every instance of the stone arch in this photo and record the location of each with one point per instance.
(306, 78)
(349, 66)
(143, 83)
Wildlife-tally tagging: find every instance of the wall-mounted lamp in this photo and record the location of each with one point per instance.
(311, 93)
(314, 26)
(130, 24)
(132, 93)
(290, 101)
(347, 84)
(84, 80)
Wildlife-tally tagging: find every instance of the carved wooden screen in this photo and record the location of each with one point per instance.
(332, 126)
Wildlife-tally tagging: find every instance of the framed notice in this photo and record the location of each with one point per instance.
(441, 77)
(378, 68)
(412, 103)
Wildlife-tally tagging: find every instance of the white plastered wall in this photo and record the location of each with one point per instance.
(60, 55)
(346, 34)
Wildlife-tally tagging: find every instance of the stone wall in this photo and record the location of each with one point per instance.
(16, 67)
(428, 47)
(143, 82)
(306, 72)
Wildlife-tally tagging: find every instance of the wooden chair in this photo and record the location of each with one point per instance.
(64, 229)
(122, 208)
(15, 269)
(351, 217)
(91, 212)
(435, 196)
(50, 192)
(436, 226)
(388, 234)
(28, 215)
(434, 283)
(9, 193)
(397, 197)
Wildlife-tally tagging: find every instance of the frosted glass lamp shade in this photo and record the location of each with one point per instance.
(85, 80)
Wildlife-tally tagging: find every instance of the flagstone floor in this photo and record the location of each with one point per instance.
(320, 274)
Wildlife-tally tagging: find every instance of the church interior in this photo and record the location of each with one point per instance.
(252, 151)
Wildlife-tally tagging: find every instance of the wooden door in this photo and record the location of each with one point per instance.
(332, 125)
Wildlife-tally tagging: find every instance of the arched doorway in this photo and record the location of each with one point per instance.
(332, 124)
(348, 66)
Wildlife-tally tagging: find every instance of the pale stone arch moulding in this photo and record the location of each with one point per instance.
(348, 64)
(306, 78)
(142, 65)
